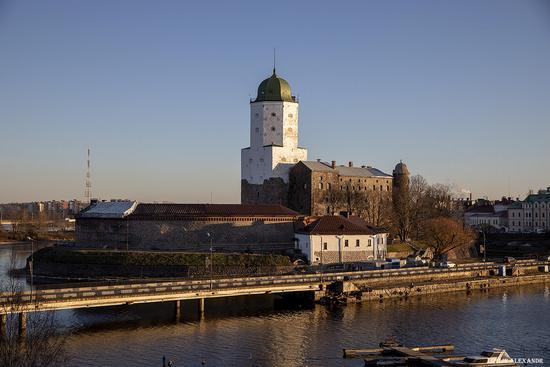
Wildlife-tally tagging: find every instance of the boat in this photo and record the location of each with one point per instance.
(494, 357)
(393, 353)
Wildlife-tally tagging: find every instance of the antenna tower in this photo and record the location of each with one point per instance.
(88, 185)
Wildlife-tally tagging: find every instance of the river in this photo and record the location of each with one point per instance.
(256, 331)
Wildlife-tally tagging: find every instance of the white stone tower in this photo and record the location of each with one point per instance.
(273, 150)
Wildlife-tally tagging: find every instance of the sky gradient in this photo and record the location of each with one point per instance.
(159, 90)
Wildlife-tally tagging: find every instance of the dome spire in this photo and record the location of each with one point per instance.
(274, 61)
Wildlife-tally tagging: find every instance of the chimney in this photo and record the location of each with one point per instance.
(470, 196)
(350, 164)
(318, 159)
(363, 166)
(369, 166)
(333, 164)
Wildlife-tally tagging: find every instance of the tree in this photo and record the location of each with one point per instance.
(41, 346)
(418, 208)
(377, 208)
(446, 234)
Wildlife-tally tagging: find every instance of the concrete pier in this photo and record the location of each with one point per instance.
(22, 323)
(3, 325)
(201, 308)
(177, 311)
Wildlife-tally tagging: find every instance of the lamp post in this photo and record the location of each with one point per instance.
(322, 248)
(211, 259)
(31, 263)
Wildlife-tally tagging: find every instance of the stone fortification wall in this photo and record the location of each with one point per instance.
(272, 191)
(99, 271)
(225, 234)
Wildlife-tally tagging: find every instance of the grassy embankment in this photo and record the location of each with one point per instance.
(9, 236)
(63, 255)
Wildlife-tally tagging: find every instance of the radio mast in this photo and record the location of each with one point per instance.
(88, 185)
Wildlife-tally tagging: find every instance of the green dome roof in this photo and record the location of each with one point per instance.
(274, 88)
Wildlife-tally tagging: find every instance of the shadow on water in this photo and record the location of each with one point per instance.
(150, 315)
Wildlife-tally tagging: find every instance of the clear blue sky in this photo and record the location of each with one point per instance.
(459, 90)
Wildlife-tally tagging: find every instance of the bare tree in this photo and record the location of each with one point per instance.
(39, 345)
(378, 208)
(446, 234)
(418, 209)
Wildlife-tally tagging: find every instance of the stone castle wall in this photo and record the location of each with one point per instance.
(272, 191)
(226, 234)
(328, 193)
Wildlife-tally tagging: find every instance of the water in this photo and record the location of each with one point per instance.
(250, 331)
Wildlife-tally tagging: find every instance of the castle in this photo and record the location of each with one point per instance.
(275, 169)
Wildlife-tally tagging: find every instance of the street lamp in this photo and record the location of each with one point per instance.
(31, 263)
(211, 259)
(322, 246)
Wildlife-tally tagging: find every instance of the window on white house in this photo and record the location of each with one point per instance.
(357, 243)
(370, 242)
(325, 246)
(346, 243)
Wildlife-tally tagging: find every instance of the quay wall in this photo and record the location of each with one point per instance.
(361, 293)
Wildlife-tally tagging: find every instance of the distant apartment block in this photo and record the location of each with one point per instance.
(531, 214)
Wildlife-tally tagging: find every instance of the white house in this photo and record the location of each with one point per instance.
(336, 239)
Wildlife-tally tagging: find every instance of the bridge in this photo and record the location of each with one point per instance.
(84, 295)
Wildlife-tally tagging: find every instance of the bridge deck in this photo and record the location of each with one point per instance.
(85, 295)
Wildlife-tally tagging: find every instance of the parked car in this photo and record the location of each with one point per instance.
(447, 264)
(509, 260)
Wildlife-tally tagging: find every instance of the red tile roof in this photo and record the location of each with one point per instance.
(335, 224)
(177, 211)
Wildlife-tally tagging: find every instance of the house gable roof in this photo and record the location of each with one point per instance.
(334, 225)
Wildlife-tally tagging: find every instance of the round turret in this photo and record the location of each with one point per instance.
(401, 169)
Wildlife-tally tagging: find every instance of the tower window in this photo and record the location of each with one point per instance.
(257, 130)
(273, 114)
(272, 128)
